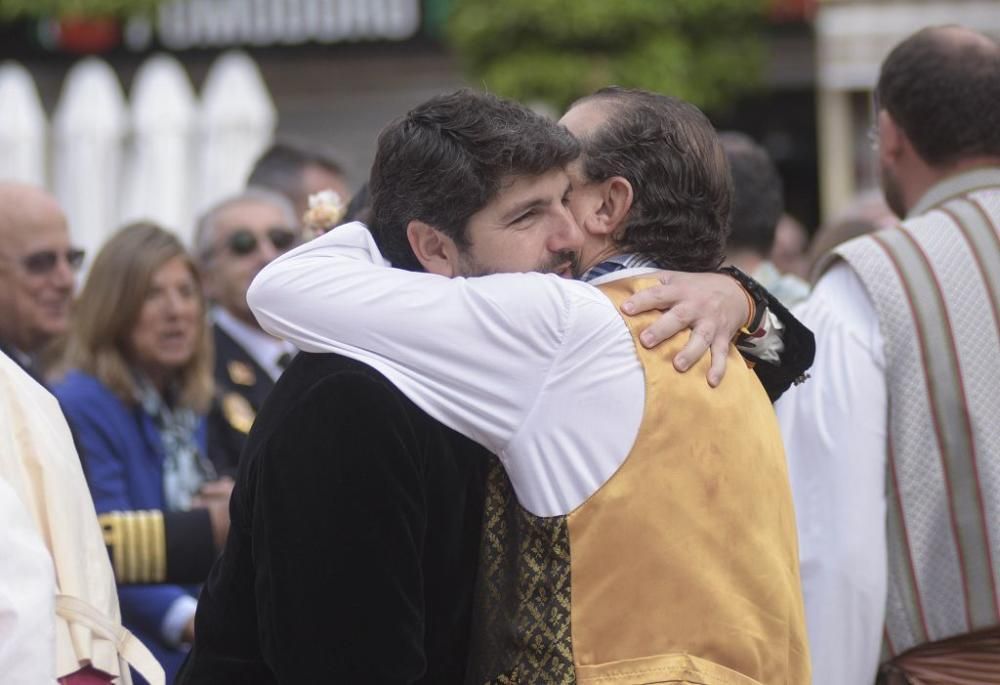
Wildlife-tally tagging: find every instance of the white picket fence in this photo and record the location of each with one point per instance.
(163, 154)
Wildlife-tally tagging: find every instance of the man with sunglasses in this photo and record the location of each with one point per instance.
(234, 240)
(37, 273)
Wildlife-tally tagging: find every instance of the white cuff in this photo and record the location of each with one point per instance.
(767, 342)
(177, 616)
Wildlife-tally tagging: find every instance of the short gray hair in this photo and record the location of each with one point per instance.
(204, 235)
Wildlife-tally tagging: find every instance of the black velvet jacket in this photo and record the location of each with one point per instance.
(241, 386)
(800, 350)
(352, 555)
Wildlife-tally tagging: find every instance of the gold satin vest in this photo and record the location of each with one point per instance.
(684, 565)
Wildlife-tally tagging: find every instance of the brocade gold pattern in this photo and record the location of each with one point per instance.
(521, 621)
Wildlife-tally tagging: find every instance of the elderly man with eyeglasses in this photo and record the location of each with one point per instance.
(234, 240)
(37, 266)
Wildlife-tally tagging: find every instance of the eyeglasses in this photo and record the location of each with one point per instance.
(873, 128)
(243, 241)
(44, 261)
(872, 136)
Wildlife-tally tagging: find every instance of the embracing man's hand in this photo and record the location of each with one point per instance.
(714, 306)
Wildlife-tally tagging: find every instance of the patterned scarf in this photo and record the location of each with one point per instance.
(185, 469)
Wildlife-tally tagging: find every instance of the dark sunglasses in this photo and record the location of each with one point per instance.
(43, 262)
(243, 241)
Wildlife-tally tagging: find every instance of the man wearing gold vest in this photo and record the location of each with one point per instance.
(654, 518)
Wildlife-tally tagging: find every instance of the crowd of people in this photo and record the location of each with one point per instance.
(509, 419)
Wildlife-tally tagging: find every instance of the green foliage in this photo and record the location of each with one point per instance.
(554, 51)
(38, 9)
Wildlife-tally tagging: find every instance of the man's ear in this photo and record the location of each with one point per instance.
(892, 142)
(433, 249)
(616, 201)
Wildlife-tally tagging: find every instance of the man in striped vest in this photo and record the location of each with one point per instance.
(900, 422)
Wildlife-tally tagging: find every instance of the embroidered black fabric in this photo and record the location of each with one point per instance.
(521, 607)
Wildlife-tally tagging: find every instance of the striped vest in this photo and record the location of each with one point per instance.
(935, 284)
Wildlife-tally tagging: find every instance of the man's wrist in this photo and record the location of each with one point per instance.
(746, 329)
(756, 298)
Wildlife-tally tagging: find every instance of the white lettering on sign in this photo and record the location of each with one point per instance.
(183, 24)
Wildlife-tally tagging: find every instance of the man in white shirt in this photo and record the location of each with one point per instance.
(899, 423)
(233, 241)
(544, 373)
(893, 445)
(357, 517)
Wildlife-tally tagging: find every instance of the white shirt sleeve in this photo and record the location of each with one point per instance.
(475, 353)
(27, 597)
(835, 432)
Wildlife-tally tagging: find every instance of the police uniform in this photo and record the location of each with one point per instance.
(152, 546)
(241, 385)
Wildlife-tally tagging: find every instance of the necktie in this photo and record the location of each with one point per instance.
(284, 359)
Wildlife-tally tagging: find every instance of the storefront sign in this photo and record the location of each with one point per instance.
(185, 24)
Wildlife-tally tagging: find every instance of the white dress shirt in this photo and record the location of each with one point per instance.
(528, 365)
(265, 349)
(835, 429)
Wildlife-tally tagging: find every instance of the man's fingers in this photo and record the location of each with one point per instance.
(695, 349)
(656, 297)
(666, 326)
(720, 353)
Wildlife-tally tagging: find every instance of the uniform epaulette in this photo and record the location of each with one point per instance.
(136, 542)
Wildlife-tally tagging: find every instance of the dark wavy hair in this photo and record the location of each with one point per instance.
(448, 158)
(668, 150)
(282, 165)
(942, 88)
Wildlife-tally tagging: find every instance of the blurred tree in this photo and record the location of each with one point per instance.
(40, 9)
(554, 51)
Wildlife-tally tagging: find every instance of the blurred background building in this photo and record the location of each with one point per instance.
(156, 108)
(852, 39)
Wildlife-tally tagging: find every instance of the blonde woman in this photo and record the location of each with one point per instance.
(136, 393)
